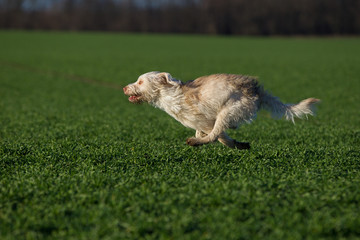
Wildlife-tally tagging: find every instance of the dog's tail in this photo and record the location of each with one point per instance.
(279, 109)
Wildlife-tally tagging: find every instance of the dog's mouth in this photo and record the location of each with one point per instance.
(135, 99)
(134, 96)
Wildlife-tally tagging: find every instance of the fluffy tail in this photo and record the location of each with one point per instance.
(279, 109)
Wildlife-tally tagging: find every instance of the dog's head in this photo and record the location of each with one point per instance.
(148, 86)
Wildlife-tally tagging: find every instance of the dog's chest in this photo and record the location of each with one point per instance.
(186, 110)
(180, 113)
(187, 115)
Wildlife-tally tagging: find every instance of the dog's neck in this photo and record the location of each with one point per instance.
(170, 100)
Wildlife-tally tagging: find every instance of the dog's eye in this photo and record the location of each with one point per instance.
(140, 82)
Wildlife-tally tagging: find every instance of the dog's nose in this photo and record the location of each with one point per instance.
(125, 89)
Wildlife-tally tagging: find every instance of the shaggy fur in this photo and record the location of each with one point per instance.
(212, 104)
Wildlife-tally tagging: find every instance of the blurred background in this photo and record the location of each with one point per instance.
(224, 17)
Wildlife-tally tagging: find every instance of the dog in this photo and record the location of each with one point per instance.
(212, 104)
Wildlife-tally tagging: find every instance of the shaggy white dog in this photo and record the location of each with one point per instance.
(212, 104)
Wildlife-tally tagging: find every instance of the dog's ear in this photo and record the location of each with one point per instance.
(167, 79)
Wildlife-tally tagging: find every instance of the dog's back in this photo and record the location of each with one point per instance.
(217, 89)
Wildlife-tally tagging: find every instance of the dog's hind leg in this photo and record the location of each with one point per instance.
(232, 143)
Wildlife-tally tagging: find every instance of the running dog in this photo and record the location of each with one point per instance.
(211, 104)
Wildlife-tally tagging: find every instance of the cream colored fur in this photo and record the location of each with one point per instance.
(212, 104)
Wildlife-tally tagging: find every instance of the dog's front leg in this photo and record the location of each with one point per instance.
(200, 134)
(197, 140)
(220, 125)
(232, 143)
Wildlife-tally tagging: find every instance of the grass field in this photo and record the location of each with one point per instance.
(78, 161)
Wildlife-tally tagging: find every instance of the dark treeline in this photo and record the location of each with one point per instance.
(250, 17)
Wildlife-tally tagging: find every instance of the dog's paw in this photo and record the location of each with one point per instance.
(193, 142)
(242, 145)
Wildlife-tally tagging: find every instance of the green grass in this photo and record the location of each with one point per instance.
(78, 161)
